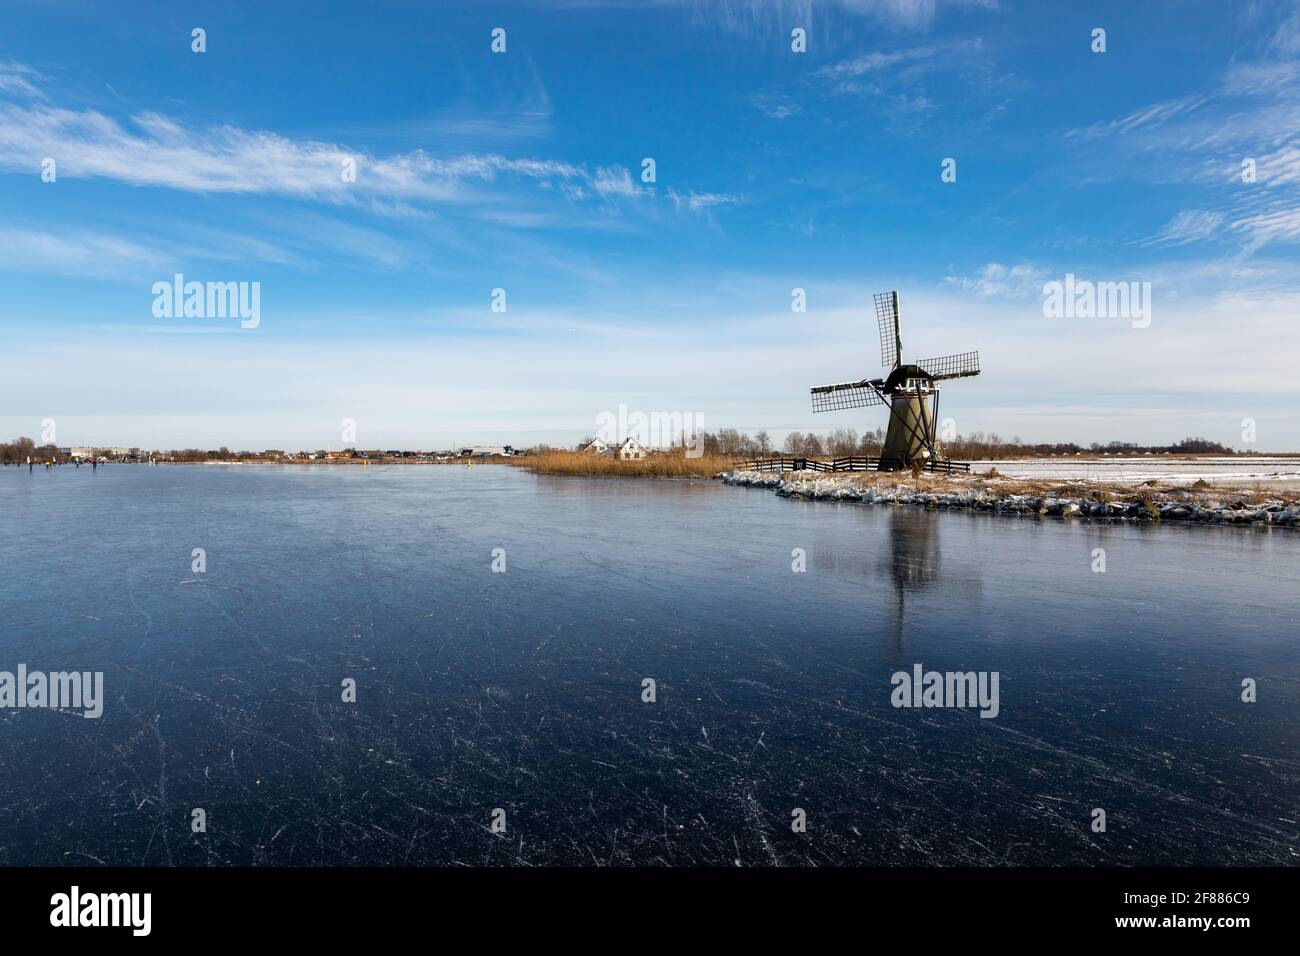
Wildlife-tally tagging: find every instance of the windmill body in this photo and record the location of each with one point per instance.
(909, 391)
(911, 417)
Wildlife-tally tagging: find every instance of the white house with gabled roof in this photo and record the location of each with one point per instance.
(627, 450)
(631, 449)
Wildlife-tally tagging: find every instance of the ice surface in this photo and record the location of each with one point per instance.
(522, 690)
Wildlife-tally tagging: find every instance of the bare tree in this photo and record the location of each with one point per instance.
(730, 441)
(842, 442)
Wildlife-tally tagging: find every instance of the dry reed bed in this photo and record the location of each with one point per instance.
(662, 465)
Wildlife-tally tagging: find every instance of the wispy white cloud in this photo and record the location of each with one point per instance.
(1280, 223)
(776, 105)
(1285, 40)
(19, 80)
(900, 79)
(1190, 225)
(751, 16)
(698, 202)
(1248, 119)
(995, 279)
(915, 14)
(1262, 77)
(879, 61)
(1153, 115)
(910, 60)
(82, 254)
(614, 181)
(158, 151)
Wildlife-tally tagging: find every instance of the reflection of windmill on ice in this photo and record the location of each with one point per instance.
(912, 562)
(913, 559)
(910, 392)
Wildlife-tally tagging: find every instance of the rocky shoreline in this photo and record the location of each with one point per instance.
(1109, 505)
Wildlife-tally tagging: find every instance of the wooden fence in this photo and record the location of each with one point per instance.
(855, 463)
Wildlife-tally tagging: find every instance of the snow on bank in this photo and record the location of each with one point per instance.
(1281, 471)
(848, 487)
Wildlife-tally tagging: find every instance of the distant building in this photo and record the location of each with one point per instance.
(627, 450)
(90, 451)
(487, 451)
(631, 449)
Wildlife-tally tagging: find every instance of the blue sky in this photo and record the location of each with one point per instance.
(775, 170)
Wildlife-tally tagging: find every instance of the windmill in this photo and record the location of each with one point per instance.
(910, 392)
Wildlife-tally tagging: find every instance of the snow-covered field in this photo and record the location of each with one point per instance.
(1282, 472)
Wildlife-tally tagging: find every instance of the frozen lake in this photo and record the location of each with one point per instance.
(522, 690)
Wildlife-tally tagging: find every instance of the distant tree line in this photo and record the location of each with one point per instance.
(846, 442)
(837, 443)
(198, 454)
(731, 443)
(979, 446)
(20, 449)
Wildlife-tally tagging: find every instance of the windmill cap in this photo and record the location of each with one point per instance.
(899, 376)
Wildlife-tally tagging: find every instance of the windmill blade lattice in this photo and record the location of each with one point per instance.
(891, 336)
(829, 398)
(960, 365)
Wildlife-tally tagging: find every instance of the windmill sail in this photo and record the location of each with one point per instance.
(829, 398)
(891, 334)
(959, 365)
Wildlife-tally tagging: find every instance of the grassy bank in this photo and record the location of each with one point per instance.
(658, 465)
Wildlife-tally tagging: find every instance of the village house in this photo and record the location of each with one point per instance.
(626, 450)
